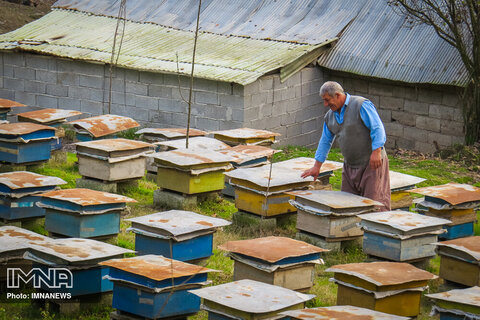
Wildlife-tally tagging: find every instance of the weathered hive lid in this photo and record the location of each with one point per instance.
(246, 136)
(112, 148)
(252, 296)
(303, 163)
(401, 181)
(24, 182)
(25, 131)
(244, 155)
(274, 249)
(156, 267)
(326, 202)
(339, 313)
(7, 104)
(402, 223)
(83, 200)
(185, 159)
(15, 241)
(171, 133)
(467, 248)
(195, 143)
(104, 125)
(177, 224)
(45, 116)
(467, 301)
(452, 193)
(383, 273)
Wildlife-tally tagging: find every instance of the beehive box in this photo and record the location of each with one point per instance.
(176, 234)
(83, 213)
(400, 198)
(400, 235)
(19, 193)
(24, 142)
(337, 313)
(6, 106)
(190, 171)
(390, 287)
(112, 159)
(331, 214)
(457, 304)
(278, 261)
(246, 136)
(101, 127)
(155, 287)
(460, 260)
(248, 299)
(165, 134)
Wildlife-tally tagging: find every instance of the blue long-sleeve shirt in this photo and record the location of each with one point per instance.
(370, 118)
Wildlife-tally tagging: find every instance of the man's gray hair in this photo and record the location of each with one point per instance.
(330, 88)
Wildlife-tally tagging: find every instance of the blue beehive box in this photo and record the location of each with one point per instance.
(19, 193)
(25, 142)
(457, 304)
(176, 234)
(80, 258)
(155, 287)
(101, 127)
(83, 213)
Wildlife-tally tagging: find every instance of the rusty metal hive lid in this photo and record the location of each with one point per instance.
(303, 163)
(246, 133)
(242, 153)
(25, 179)
(401, 180)
(335, 199)
(404, 220)
(111, 145)
(103, 125)
(190, 157)
(252, 296)
(49, 115)
(383, 273)
(453, 193)
(468, 296)
(156, 267)
(172, 133)
(340, 313)
(271, 249)
(20, 128)
(179, 222)
(470, 245)
(202, 143)
(86, 197)
(7, 104)
(15, 238)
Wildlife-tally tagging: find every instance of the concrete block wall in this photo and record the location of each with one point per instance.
(419, 118)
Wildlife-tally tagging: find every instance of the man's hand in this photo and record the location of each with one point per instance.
(313, 171)
(376, 158)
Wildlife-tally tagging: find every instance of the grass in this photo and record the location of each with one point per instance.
(435, 170)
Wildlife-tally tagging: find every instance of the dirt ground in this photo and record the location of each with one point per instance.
(14, 13)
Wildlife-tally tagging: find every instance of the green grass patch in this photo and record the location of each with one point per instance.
(67, 171)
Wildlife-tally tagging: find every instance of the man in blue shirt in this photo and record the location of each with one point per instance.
(354, 122)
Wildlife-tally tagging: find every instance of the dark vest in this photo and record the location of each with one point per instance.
(352, 135)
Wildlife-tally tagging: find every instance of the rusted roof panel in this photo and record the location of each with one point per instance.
(403, 220)
(453, 193)
(335, 199)
(302, 163)
(252, 296)
(86, 197)
(171, 133)
(244, 153)
(25, 179)
(179, 222)
(190, 157)
(19, 128)
(49, 115)
(14, 238)
(202, 143)
(7, 104)
(156, 267)
(402, 181)
(246, 133)
(340, 313)
(111, 145)
(468, 296)
(383, 273)
(470, 245)
(271, 249)
(103, 125)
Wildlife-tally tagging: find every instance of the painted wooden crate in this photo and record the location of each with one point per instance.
(24, 142)
(338, 312)
(155, 287)
(278, 261)
(112, 159)
(460, 260)
(390, 287)
(81, 258)
(457, 304)
(83, 212)
(249, 299)
(238, 136)
(399, 184)
(331, 214)
(101, 127)
(176, 234)
(400, 235)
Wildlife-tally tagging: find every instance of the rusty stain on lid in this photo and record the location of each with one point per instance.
(340, 313)
(103, 125)
(25, 179)
(246, 133)
(86, 197)
(18, 233)
(110, 145)
(172, 132)
(48, 115)
(403, 220)
(271, 249)
(20, 128)
(468, 296)
(7, 104)
(453, 193)
(469, 243)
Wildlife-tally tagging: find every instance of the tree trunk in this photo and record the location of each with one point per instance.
(471, 111)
